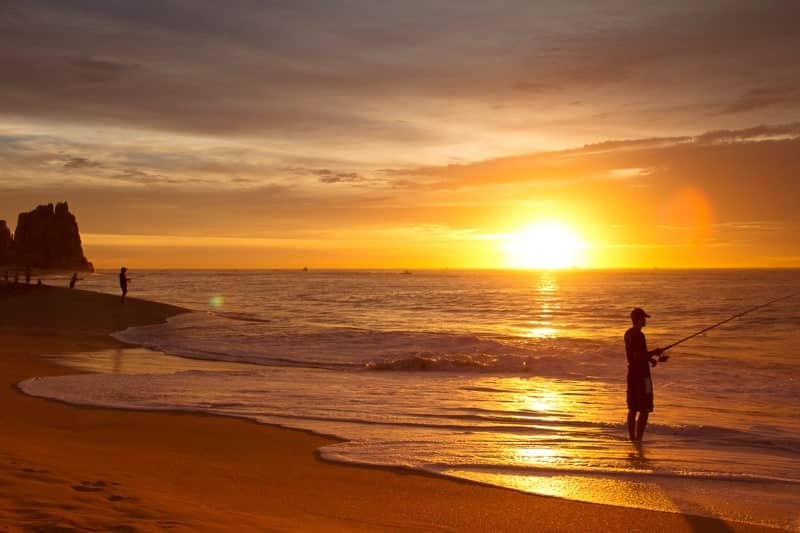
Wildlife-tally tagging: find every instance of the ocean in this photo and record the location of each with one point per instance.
(511, 378)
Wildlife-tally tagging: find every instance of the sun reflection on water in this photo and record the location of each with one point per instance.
(548, 303)
(538, 455)
(545, 401)
(541, 332)
(556, 415)
(627, 493)
(547, 283)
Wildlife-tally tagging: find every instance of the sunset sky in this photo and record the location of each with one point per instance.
(406, 134)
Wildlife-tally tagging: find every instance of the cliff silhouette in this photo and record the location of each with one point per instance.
(46, 237)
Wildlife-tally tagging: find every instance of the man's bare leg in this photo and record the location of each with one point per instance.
(632, 424)
(641, 424)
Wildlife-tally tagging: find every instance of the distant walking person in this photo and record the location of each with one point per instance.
(28, 275)
(75, 279)
(123, 282)
(640, 384)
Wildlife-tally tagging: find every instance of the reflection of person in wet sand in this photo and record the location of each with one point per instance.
(123, 282)
(638, 460)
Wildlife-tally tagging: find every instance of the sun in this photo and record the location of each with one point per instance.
(545, 245)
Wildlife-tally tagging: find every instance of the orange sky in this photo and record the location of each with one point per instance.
(406, 136)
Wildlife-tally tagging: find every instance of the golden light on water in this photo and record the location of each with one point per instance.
(544, 401)
(537, 455)
(547, 245)
(607, 490)
(541, 332)
(547, 294)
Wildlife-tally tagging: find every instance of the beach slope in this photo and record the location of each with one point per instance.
(67, 468)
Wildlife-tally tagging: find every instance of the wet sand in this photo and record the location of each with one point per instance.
(64, 467)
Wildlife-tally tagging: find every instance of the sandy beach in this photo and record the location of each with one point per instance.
(66, 468)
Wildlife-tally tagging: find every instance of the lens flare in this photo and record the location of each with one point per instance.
(690, 211)
(216, 301)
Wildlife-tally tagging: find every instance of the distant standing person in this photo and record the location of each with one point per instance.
(640, 384)
(123, 282)
(75, 279)
(27, 275)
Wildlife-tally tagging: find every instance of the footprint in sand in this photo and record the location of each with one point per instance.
(90, 486)
(35, 471)
(37, 474)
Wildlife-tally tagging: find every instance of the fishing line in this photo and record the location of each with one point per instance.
(738, 315)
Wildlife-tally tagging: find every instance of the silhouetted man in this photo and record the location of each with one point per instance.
(75, 279)
(640, 384)
(123, 282)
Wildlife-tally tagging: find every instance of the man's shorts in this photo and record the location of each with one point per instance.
(640, 395)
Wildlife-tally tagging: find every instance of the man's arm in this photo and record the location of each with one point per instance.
(643, 355)
(637, 347)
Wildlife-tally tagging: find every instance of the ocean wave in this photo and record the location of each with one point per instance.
(520, 420)
(727, 436)
(596, 470)
(202, 336)
(486, 363)
(242, 317)
(692, 435)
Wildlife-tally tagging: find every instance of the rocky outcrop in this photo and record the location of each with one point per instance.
(46, 237)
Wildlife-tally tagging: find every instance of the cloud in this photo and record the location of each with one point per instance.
(629, 173)
(340, 177)
(752, 172)
(73, 162)
(92, 70)
(329, 176)
(632, 190)
(753, 134)
(763, 97)
(34, 161)
(406, 75)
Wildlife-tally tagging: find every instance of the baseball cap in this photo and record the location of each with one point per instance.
(638, 312)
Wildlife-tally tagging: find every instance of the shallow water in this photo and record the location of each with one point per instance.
(511, 378)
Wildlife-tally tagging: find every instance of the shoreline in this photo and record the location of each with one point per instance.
(61, 461)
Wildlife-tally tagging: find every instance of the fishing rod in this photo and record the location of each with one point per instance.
(738, 315)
